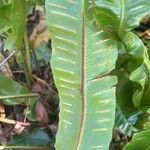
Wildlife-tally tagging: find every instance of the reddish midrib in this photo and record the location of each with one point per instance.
(82, 88)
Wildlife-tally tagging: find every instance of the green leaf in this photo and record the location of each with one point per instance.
(118, 17)
(9, 43)
(121, 17)
(10, 87)
(125, 93)
(139, 141)
(19, 12)
(147, 126)
(35, 137)
(1, 3)
(5, 17)
(82, 56)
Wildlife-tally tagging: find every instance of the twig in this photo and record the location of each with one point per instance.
(27, 108)
(10, 121)
(19, 96)
(18, 71)
(7, 58)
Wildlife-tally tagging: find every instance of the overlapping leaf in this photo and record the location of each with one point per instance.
(120, 17)
(9, 87)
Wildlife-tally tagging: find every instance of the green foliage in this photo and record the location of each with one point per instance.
(5, 19)
(71, 28)
(80, 66)
(121, 15)
(9, 43)
(19, 12)
(13, 19)
(92, 43)
(133, 62)
(140, 141)
(9, 87)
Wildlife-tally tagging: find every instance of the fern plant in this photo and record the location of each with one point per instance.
(90, 40)
(97, 62)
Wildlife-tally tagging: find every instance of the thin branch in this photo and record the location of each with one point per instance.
(18, 71)
(7, 58)
(27, 108)
(10, 121)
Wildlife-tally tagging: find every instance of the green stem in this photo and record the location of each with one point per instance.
(19, 96)
(28, 60)
(24, 147)
(122, 14)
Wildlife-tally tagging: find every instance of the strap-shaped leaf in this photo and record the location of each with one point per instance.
(122, 15)
(81, 59)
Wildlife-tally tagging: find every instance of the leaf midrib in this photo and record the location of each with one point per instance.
(82, 83)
